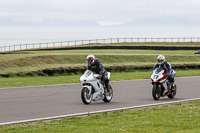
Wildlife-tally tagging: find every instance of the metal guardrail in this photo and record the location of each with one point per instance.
(95, 41)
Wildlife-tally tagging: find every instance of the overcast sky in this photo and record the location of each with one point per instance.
(104, 12)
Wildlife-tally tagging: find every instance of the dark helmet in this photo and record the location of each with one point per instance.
(90, 59)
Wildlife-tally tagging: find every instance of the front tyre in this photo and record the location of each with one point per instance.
(86, 95)
(108, 95)
(173, 92)
(156, 92)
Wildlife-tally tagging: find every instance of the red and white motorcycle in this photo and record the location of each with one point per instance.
(161, 85)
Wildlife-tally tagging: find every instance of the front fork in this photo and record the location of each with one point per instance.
(161, 88)
(89, 88)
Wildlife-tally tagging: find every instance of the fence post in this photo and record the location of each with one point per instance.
(61, 44)
(111, 40)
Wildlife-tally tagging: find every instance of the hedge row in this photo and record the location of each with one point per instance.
(80, 70)
(125, 47)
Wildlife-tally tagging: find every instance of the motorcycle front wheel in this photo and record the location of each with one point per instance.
(156, 92)
(86, 95)
(108, 95)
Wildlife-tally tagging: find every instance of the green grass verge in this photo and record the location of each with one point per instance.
(179, 118)
(51, 80)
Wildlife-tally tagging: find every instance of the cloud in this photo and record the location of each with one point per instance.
(104, 12)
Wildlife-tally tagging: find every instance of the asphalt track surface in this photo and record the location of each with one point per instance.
(24, 103)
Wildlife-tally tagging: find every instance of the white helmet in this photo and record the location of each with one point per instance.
(90, 59)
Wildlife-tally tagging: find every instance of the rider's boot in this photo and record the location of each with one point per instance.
(172, 85)
(107, 88)
(172, 82)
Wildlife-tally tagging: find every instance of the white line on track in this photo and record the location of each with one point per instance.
(95, 112)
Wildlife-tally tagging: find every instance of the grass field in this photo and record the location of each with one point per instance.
(37, 61)
(51, 80)
(176, 118)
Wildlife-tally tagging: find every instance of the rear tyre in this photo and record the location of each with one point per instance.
(86, 95)
(108, 95)
(156, 92)
(173, 92)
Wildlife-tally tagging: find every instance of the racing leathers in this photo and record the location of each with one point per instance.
(98, 68)
(166, 66)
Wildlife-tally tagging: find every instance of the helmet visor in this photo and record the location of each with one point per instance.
(90, 60)
(159, 61)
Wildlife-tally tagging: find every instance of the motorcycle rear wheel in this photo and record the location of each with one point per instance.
(156, 92)
(85, 96)
(108, 95)
(173, 92)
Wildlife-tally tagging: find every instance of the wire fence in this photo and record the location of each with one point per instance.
(95, 41)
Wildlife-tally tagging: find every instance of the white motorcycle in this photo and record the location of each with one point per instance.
(94, 89)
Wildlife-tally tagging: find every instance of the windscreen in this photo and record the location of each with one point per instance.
(87, 73)
(157, 70)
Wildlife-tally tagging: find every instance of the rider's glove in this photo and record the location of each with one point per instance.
(99, 77)
(168, 74)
